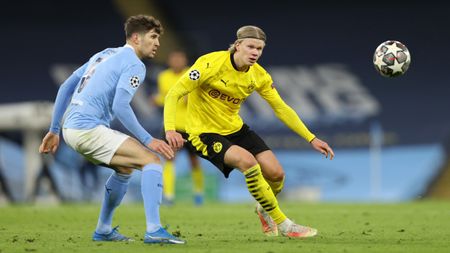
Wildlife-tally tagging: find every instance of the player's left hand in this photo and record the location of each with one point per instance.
(322, 147)
(50, 143)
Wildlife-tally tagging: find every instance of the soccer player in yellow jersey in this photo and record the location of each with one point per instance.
(217, 84)
(177, 63)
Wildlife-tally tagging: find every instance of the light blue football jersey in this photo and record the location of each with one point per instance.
(99, 78)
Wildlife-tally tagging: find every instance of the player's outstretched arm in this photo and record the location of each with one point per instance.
(50, 143)
(322, 147)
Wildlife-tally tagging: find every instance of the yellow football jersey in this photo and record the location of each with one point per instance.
(167, 79)
(217, 90)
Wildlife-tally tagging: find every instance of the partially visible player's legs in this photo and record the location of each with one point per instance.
(272, 170)
(274, 175)
(133, 154)
(262, 192)
(197, 179)
(256, 184)
(151, 189)
(169, 182)
(115, 189)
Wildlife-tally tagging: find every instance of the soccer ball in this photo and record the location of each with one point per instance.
(391, 58)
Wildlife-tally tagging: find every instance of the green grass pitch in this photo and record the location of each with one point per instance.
(216, 227)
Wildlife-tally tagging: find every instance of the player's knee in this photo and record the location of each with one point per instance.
(246, 161)
(274, 173)
(124, 170)
(277, 175)
(150, 158)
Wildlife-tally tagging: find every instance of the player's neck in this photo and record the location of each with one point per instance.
(130, 45)
(238, 63)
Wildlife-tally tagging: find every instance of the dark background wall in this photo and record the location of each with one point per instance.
(314, 48)
(39, 34)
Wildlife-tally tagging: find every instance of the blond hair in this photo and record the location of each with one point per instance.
(245, 32)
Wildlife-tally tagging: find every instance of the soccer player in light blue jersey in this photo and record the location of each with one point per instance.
(90, 98)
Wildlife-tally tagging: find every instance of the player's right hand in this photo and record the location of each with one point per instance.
(161, 148)
(174, 139)
(50, 143)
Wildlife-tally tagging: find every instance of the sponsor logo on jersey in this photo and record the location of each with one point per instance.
(222, 96)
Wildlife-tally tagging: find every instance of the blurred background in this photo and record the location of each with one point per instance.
(391, 136)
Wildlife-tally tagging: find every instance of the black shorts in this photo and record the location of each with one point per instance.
(212, 146)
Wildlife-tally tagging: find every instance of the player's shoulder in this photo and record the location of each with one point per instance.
(214, 58)
(129, 54)
(213, 61)
(129, 59)
(215, 55)
(104, 54)
(260, 70)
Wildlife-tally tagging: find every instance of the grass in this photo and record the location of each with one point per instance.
(407, 227)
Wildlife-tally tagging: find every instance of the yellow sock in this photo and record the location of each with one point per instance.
(198, 180)
(169, 180)
(276, 186)
(261, 191)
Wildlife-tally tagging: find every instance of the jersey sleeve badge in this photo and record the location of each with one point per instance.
(194, 75)
(134, 81)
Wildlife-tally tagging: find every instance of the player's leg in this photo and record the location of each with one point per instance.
(221, 151)
(274, 175)
(114, 149)
(197, 178)
(272, 170)
(98, 145)
(115, 188)
(251, 142)
(169, 182)
(196, 170)
(132, 153)
(258, 187)
(169, 176)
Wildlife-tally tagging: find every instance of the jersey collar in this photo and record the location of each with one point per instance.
(129, 46)
(234, 64)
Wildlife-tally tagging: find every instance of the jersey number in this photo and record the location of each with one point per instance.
(89, 73)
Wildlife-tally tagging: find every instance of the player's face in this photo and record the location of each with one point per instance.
(148, 44)
(177, 61)
(249, 51)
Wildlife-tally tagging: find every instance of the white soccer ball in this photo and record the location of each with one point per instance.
(391, 58)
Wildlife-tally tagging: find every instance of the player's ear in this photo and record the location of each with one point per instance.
(237, 44)
(135, 38)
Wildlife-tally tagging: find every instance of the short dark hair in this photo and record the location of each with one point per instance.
(142, 24)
